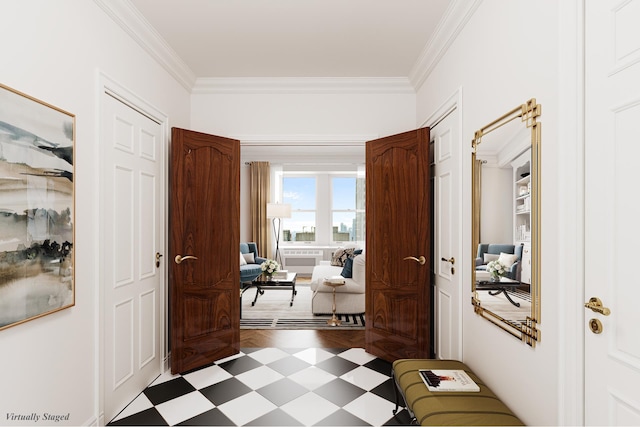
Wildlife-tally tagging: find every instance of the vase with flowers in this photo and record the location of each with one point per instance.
(496, 269)
(269, 267)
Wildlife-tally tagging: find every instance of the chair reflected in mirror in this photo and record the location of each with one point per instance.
(509, 255)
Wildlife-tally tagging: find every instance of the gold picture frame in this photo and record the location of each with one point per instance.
(37, 208)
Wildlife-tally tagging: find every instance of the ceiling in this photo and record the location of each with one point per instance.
(296, 38)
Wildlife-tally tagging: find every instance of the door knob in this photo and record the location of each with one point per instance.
(596, 305)
(180, 258)
(452, 260)
(422, 260)
(158, 255)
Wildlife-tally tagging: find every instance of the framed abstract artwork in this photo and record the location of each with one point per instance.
(36, 208)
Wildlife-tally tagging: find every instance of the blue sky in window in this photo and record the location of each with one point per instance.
(299, 192)
(344, 193)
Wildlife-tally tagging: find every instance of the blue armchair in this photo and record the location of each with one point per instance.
(496, 249)
(250, 271)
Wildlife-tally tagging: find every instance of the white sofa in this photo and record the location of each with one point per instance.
(349, 297)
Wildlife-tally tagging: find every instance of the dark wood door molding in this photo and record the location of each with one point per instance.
(398, 206)
(204, 222)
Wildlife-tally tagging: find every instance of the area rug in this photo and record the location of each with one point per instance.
(500, 305)
(272, 311)
(351, 321)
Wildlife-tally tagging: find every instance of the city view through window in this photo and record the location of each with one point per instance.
(324, 209)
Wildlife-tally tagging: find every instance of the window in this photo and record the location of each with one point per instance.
(327, 207)
(343, 209)
(300, 192)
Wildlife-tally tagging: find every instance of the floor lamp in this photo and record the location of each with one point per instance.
(277, 211)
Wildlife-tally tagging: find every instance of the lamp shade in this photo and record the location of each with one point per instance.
(278, 210)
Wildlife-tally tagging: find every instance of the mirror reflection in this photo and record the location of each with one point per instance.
(505, 209)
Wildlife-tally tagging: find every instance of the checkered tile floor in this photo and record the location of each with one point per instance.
(273, 387)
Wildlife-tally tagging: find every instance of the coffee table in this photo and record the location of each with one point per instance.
(262, 283)
(498, 287)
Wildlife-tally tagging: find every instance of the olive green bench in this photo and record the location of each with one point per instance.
(447, 408)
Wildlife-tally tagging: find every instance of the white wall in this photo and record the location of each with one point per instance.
(302, 119)
(53, 51)
(507, 54)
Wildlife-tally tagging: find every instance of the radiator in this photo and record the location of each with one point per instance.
(301, 261)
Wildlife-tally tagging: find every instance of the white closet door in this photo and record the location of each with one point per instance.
(133, 224)
(448, 268)
(612, 209)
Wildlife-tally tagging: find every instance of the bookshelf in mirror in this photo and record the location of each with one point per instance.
(522, 211)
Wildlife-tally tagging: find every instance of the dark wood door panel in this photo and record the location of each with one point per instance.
(205, 315)
(396, 313)
(204, 216)
(398, 232)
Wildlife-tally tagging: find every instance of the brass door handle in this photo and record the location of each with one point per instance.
(596, 305)
(158, 255)
(420, 260)
(180, 258)
(452, 260)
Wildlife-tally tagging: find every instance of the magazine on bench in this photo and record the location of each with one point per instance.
(447, 380)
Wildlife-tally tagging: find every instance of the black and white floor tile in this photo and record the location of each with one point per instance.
(273, 387)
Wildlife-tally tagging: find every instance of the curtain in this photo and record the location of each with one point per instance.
(260, 185)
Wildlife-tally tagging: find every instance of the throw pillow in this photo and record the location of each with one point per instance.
(507, 259)
(242, 260)
(340, 256)
(249, 258)
(347, 271)
(490, 257)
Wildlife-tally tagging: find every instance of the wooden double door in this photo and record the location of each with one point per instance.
(204, 240)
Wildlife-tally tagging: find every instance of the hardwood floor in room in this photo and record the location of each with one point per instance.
(284, 338)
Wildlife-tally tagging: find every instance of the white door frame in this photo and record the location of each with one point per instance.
(110, 86)
(455, 103)
(571, 187)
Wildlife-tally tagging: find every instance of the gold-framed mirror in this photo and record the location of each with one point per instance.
(506, 221)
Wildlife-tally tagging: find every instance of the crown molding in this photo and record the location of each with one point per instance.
(455, 18)
(260, 85)
(303, 140)
(298, 149)
(133, 23)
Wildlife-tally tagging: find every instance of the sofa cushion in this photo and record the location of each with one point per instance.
(249, 258)
(242, 260)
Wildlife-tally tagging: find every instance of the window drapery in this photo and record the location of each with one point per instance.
(260, 184)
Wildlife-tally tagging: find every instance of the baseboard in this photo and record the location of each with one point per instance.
(167, 363)
(95, 422)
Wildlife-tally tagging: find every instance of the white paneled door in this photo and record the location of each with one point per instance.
(612, 209)
(447, 223)
(132, 208)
